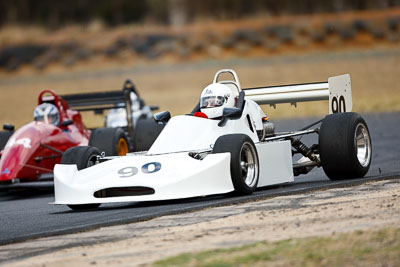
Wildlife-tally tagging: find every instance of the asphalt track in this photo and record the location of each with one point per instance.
(27, 215)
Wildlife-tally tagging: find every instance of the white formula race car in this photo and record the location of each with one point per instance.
(226, 144)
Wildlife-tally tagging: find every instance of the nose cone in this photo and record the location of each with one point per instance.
(10, 162)
(19, 150)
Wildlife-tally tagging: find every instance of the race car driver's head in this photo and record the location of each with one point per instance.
(47, 113)
(214, 98)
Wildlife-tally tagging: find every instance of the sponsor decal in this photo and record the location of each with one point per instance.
(6, 171)
(208, 92)
(26, 142)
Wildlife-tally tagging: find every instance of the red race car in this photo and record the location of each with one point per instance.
(29, 154)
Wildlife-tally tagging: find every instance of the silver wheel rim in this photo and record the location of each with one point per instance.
(91, 161)
(248, 164)
(363, 145)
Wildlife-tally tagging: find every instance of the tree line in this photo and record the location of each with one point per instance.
(57, 13)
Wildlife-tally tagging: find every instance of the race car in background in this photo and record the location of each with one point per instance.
(226, 144)
(141, 118)
(30, 153)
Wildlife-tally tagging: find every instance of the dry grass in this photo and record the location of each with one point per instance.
(360, 248)
(177, 86)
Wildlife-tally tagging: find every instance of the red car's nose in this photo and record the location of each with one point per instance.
(18, 151)
(10, 163)
(5, 174)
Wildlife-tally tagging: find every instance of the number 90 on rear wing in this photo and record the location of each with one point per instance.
(337, 90)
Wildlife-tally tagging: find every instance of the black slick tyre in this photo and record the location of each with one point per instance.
(345, 146)
(146, 132)
(113, 141)
(4, 136)
(244, 161)
(84, 157)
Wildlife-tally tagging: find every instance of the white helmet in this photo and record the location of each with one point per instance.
(214, 98)
(47, 113)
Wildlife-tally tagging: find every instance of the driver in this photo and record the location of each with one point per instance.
(214, 98)
(47, 113)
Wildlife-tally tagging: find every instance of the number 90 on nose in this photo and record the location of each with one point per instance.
(147, 168)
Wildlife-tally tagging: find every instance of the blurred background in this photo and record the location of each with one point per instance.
(171, 49)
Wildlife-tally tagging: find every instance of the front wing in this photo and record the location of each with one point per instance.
(143, 178)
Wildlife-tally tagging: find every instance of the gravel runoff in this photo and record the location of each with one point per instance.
(321, 213)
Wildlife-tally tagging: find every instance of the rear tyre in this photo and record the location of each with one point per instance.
(345, 146)
(84, 157)
(4, 136)
(244, 161)
(113, 141)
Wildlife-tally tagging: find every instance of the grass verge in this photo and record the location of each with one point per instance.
(359, 248)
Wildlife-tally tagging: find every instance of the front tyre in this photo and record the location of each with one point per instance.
(345, 146)
(84, 157)
(244, 161)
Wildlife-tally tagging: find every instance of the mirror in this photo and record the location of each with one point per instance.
(229, 113)
(154, 107)
(162, 117)
(232, 112)
(67, 122)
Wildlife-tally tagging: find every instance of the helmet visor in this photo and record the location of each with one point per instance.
(211, 101)
(38, 117)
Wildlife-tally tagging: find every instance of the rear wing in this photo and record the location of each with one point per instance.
(337, 90)
(100, 101)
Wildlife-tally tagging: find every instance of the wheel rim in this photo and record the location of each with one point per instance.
(122, 147)
(363, 145)
(248, 164)
(91, 161)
